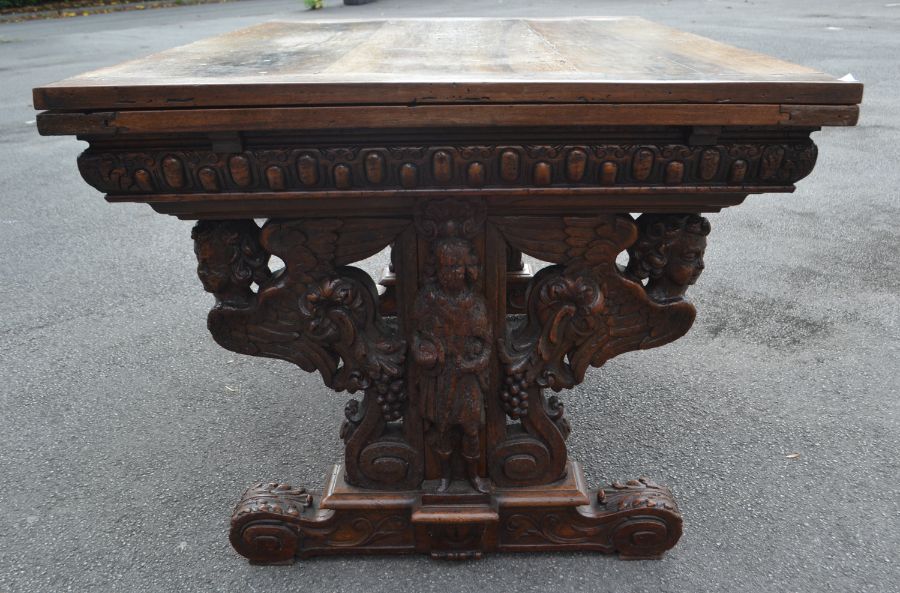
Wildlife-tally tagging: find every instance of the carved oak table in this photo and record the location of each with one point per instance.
(461, 145)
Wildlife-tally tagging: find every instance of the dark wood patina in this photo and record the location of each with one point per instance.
(461, 145)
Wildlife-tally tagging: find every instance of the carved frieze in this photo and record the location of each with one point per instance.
(400, 167)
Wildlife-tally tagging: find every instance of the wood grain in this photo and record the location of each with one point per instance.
(580, 60)
(445, 116)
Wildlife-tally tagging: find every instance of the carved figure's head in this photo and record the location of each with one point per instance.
(457, 264)
(668, 252)
(229, 256)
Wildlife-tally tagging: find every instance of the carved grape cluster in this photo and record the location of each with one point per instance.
(514, 395)
(390, 397)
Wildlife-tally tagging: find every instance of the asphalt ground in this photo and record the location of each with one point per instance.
(127, 435)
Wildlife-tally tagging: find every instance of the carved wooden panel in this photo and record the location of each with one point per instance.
(445, 348)
(323, 316)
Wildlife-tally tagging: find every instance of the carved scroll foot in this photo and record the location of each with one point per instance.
(639, 520)
(275, 524)
(264, 525)
(652, 523)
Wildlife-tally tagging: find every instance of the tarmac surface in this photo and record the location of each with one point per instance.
(127, 435)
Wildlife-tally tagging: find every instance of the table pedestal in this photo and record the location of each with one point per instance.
(454, 448)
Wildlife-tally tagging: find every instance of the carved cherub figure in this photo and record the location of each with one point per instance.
(452, 347)
(668, 254)
(229, 259)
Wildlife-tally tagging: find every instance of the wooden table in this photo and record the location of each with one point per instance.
(461, 144)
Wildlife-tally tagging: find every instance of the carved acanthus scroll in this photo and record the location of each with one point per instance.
(638, 519)
(580, 313)
(321, 315)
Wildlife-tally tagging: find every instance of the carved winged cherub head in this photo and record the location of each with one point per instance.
(229, 259)
(668, 253)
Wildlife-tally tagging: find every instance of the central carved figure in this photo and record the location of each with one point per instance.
(452, 348)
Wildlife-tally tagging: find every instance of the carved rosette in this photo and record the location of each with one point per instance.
(468, 166)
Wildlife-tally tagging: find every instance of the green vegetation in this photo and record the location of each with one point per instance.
(21, 3)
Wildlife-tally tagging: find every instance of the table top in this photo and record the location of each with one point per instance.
(449, 61)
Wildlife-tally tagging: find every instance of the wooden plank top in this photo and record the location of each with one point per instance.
(413, 62)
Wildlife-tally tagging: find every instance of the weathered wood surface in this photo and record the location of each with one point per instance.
(411, 62)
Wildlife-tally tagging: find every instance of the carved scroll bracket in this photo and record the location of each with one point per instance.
(321, 315)
(583, 311)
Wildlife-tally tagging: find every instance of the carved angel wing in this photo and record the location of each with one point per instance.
(583, 312)
(631, 321)
(576, 242)
(315, 313)
(312, 248)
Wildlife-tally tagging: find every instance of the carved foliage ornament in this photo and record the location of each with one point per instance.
(638, 519)
(583, 311)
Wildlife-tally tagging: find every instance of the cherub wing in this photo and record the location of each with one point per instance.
(313, 312)
(631, 321)
(583, 312)
(574, 241)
